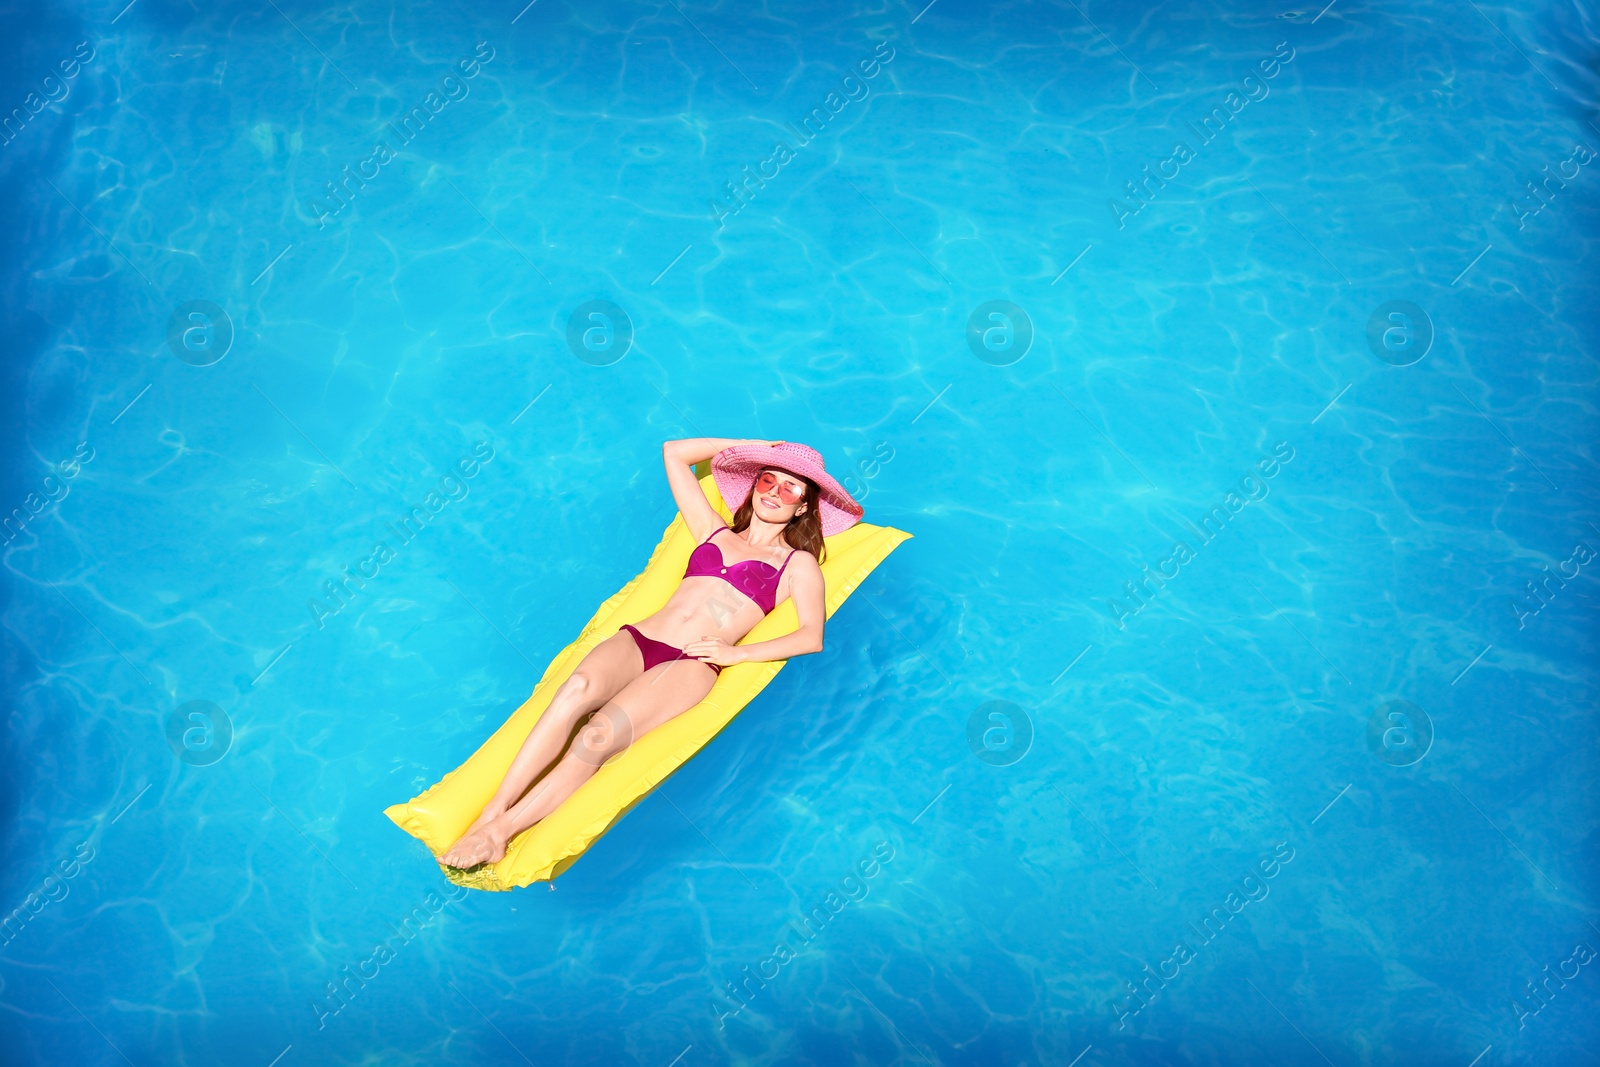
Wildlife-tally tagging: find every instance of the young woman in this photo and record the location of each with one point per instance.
(650, 671)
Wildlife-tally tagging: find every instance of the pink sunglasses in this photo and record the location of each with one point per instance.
(788, 492)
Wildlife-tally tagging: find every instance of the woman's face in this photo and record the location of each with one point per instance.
(777, 495)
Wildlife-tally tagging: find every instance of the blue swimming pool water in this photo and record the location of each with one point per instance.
(1331, 348)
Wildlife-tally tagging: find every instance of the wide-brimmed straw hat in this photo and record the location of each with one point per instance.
(734, 470)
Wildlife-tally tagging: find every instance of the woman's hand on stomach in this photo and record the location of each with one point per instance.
(714, 649)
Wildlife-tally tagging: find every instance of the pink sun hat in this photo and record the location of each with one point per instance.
(734, 470)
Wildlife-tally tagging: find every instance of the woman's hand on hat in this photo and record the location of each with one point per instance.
(765, 444)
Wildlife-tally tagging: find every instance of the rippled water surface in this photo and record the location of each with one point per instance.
(1234, 369)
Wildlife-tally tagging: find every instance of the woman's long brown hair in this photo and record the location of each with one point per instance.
(804, 532)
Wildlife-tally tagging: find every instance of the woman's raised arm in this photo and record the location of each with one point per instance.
(680, 458)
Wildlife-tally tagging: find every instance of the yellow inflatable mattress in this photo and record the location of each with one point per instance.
(547, 848)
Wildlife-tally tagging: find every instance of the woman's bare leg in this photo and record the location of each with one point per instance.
(576, 767)
(607, 668)
(604, 735)
(683, 684)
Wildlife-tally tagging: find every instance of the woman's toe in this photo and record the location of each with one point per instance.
(455, 855)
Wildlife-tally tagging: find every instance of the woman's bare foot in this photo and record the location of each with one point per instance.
(485, 817)
(483, 844)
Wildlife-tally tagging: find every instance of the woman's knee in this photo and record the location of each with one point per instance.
(571, 702)
(607, 732)
(577, 694)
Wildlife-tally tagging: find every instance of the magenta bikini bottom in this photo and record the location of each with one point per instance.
(655, 652)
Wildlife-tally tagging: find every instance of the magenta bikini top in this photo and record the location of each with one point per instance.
(752, 577)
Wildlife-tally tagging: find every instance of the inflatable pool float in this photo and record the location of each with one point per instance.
(548, 847)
